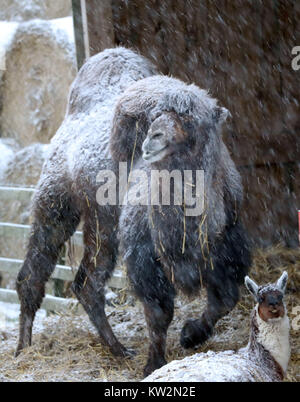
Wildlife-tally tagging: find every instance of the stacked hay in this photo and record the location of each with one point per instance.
(37, 67)
(24, 167)
(19, 168)
(7, 150)
(40, 67)
(7, 30)
(24, 10)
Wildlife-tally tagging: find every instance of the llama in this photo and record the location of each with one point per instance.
(264, 359)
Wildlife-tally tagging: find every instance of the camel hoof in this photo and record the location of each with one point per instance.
(194, 334)
(153, 365)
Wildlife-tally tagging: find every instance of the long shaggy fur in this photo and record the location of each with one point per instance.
(165, 250)
(201, 118)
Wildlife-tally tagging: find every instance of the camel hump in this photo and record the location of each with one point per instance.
(105, 76)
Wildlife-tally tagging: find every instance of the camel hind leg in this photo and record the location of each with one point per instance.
(98, 262)
(55, 220)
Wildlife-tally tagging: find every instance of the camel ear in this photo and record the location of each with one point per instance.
(123, 130)
(220, 115)
(251, 286)
(282, 281)
(128, 133)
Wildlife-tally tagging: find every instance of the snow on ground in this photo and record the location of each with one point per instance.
(9, 317)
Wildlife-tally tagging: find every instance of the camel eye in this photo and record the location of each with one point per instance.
(156, 136)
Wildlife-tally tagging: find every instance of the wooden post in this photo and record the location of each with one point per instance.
(80, 31)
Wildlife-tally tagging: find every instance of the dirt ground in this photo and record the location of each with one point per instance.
(66, 348)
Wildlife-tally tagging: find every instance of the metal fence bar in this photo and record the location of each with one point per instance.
(16, 193)
(50, 303)
(16, 231)
(12, 267)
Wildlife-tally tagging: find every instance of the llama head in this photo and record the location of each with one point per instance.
(269, 297)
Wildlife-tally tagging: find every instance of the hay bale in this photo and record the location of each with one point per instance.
(7, 151)
(25, 166)
(40, 67)
(24, 10)
(7, 30)
(22, 168)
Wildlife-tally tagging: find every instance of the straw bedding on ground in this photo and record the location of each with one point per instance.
(66, 348)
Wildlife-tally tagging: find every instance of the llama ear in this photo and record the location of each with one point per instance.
(251, 286)
(282, 281)
(220, 114)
